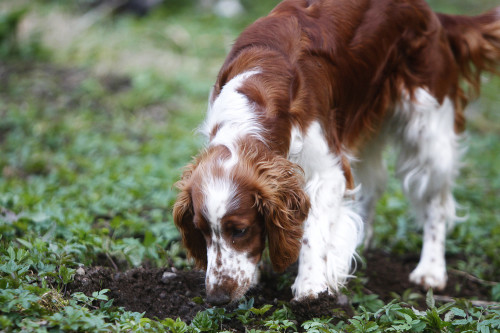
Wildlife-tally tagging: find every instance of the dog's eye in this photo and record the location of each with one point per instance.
(239, 232)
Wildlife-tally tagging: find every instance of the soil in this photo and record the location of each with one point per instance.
(166, 292)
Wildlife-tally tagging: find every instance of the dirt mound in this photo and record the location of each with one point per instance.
(158, 292)
(165, 292)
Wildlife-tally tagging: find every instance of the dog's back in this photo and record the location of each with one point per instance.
(360, 56)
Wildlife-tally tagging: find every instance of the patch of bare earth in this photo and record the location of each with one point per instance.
(165, 292)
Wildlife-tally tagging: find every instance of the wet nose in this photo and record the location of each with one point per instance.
(218, 298)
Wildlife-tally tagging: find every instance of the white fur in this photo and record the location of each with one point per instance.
(235, 117)
(233, 113)
(429, 152)
(219, 196)
(428, 165)
(423, 131)
(332, 229)
(223, 260)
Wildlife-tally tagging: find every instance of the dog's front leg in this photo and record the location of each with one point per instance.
(332, 230)
(331, 234)
(312, 273)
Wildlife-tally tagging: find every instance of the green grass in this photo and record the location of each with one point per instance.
(95, 127)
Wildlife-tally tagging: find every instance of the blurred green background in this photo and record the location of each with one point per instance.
(98, 111)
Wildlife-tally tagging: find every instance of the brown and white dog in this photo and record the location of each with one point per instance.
(303, 105)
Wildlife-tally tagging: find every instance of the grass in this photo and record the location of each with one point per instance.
(96, 124)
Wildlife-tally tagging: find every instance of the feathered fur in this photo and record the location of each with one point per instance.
(307, 97)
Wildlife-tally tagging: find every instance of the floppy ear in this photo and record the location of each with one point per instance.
(285, 205)
(192, 238)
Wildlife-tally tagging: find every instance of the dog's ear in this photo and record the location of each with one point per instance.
(183, 214)
(284, 204)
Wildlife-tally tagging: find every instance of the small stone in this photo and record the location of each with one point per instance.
(342, 299)
(167, 276)
(80, 271)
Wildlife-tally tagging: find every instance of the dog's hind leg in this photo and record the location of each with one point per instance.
(427, 166)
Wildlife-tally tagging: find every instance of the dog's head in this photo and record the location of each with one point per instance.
(229, 203)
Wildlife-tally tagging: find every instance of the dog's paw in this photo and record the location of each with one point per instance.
(308, 289)
(430, 276)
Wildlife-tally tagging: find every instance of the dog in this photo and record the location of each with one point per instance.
(297, 120)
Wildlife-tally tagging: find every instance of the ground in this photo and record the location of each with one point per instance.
(167, 292)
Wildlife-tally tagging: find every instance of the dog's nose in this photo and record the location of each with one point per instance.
(218, 298)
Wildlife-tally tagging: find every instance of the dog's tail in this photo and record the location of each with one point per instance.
(475, 42)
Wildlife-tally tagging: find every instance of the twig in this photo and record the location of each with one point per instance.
(112, 261)
(473, 278)
(448, 299)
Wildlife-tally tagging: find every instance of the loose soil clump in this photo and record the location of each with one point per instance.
(166, 292)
